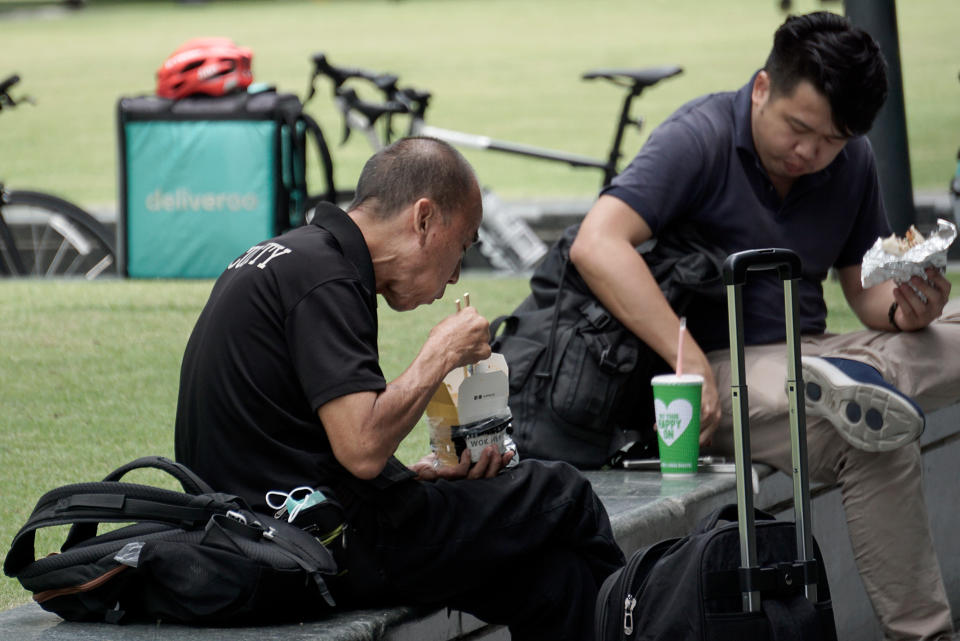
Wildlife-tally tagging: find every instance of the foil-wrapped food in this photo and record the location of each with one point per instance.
(900, 259)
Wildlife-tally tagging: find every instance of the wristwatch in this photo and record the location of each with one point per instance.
(893, 311)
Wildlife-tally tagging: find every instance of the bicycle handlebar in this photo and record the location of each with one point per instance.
(385, 82)
(416, 101)
(5, 98)
(371, 110)
(9, 82)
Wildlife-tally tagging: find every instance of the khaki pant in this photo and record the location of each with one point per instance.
(882, 491)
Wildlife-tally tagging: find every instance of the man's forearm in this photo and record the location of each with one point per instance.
(871, 305)
(623, 283)
(365, 428)
(398, 408)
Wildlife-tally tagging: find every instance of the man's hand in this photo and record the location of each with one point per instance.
(709, 408)
(489, 465)
(463, 338)
(912, 313)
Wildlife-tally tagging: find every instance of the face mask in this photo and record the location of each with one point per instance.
(294, 501)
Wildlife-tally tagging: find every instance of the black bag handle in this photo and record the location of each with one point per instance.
(189, 481)
(509, 322)
(86, 505)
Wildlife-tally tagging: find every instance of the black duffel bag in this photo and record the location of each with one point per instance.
(690, 588)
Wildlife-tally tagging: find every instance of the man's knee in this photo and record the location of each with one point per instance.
(896, 467)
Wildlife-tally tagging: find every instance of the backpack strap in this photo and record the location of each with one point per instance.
(545, 372)
(326, 160)
(189, 481)
(86, 505)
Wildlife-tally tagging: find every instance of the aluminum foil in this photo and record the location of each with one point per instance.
(880, 266)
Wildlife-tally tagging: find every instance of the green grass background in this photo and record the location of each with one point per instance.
(505, 68)
(89, 371)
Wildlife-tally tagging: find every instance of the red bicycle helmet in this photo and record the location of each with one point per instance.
(212, 66)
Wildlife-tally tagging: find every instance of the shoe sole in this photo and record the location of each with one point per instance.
(870, 417)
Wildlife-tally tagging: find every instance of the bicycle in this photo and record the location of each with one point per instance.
(506, 240)
(42, 235)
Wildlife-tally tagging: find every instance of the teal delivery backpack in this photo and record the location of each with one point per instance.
(204, 178)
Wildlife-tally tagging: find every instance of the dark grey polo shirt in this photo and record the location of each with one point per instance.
(701, 166)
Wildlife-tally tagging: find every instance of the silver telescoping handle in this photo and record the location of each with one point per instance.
(735, 269)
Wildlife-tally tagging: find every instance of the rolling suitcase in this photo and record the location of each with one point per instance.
(741, 574)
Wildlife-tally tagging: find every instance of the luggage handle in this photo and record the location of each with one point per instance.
(736, 266)
(735, 269)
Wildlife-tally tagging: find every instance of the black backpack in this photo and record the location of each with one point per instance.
(689, 588)
(579, 380)
(193, 557)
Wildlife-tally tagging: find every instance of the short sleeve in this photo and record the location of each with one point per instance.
(332, 335)
(663, 180)
(871, 217)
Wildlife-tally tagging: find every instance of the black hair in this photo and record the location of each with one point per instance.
(841, 61)
(413, 168)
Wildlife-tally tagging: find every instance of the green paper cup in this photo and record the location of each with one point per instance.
(676, 402)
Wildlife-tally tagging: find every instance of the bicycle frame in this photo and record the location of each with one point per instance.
(474, 141)
(506, 239)
(609, 167)
(412, 102)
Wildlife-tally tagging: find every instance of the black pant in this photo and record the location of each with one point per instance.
(528, 549)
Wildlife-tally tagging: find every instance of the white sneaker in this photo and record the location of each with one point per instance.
(867, 411)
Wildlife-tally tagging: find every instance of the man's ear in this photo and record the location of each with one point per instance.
(424, 216)
(761, 89)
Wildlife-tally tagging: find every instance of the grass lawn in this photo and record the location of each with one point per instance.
(89, 375)
(505, 68)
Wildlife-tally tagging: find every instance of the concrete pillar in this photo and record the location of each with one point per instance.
(889, 133)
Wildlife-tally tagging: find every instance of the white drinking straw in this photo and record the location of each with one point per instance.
(683, 329)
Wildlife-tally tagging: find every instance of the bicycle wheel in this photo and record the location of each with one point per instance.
(53, 238)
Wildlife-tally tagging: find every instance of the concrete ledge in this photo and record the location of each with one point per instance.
(643, 508)
(31, 623)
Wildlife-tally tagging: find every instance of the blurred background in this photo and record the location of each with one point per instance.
(506, 68)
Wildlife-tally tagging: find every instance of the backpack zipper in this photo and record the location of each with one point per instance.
(629, 603)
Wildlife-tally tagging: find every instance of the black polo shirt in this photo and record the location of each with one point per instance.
(701, 166)
(290, 325)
